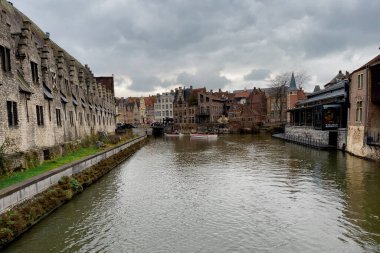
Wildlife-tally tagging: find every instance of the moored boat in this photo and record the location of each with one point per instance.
(174, 134)
(204, 136)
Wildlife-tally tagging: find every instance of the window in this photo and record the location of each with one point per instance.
(80, 118)
(360, 81)
(34, 68)
(71, 117)
(5, 56)
(359, 111)
(12, 113)
(58, 115)
(40, 115)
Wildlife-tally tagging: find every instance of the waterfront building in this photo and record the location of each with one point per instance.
(142, 111)
(47, 97)
(121, 111)
(163, 107)
(248, 111)
(363, 138)
(322, 116)
(132, 111)
(149, 111)
(185, 107)
(210, 108)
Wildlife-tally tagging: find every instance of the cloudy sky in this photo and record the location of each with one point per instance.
(155, 45)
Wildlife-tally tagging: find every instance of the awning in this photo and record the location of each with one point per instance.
(338, 93)
(63, 98)
(47, 93)
(23, 85)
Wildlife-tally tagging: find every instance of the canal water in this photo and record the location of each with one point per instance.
(240, 193)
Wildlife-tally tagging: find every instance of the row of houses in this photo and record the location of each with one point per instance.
(190, 108)
(47, 97)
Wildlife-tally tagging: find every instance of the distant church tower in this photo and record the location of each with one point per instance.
(294, 95)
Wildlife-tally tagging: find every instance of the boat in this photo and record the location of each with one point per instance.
(174, 134)
(204, 136)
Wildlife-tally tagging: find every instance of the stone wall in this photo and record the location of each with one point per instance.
(342, 138)
(357, 145)
(308, 133)
(20, 192)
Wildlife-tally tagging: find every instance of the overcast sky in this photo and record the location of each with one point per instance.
(154, 46)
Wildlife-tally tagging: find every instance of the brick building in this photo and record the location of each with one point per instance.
(149, 111)
(47, 97)
(185, 107)
(210, 108)
(363, 137)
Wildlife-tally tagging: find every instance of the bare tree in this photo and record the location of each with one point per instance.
(279, 86)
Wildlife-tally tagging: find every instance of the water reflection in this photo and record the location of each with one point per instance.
(238, 193)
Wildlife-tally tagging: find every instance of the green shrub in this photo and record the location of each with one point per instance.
(6, 235)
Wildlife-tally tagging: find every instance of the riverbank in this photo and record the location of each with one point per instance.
(24, 215)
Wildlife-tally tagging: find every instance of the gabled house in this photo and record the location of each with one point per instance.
(149, 109)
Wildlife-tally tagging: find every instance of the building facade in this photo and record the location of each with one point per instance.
(47, 97)
(363, 138)
(163, 107)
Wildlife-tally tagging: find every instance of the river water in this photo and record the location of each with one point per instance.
(241, 193)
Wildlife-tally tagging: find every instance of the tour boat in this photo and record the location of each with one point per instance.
(174, 134)
(204, 136)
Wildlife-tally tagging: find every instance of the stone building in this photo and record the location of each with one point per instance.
(363, 137)
(47, 97)
(163, 107)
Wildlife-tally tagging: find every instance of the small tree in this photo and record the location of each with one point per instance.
(280, 84)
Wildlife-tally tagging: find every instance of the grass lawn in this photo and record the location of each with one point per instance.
(17, 177)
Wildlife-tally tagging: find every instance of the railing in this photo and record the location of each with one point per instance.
(309, 141)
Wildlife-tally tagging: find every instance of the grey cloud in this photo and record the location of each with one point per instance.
(257, 74)
(209, 79)
(153, 42)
